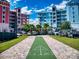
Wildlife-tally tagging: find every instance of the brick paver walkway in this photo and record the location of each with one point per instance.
(61, 50)
(20, 50)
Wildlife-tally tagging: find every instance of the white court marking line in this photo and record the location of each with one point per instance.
(42, 51)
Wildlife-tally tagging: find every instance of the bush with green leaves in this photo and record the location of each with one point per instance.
(65, 25)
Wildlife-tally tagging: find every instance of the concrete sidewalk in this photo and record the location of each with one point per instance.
(20, 50)
(61, 50)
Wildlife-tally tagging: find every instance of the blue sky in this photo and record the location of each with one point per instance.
(33, 3)
(33, 6)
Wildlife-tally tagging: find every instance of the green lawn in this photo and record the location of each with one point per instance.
(73, 42)
(6, 45)
(40, 50)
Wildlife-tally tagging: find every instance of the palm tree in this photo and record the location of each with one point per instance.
(32, 28)
(26, 27)
(46, 26)
(38, 28)
(29, 27)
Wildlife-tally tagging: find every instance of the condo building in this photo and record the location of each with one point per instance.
(72, 9)
(24, 19)
(17, 21)
(13, 21)
(44, 17)
(69, 13)
(54, 18)
(18, 13)
(59, 16)
(4, 16)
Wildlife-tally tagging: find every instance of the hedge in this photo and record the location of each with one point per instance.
(7, 36)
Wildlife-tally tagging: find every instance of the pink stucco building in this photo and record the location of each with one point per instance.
(4, 16)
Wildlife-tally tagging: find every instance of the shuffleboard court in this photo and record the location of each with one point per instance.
(40, 50)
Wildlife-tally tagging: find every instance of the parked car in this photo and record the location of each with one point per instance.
(70, 33)
(76, 34)
(19, 34)
(56, 32)
(50, 32)
(63, 33)
(34, 33)
(23, 32)
(28, 33)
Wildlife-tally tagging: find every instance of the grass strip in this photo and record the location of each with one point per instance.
(6, 45)
(73, 42)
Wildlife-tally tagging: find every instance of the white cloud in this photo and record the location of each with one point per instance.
(25, 10)
(34, 21)
(49, 8)
(8, 0)
(39, 10)
(15, 1)
(61, 5)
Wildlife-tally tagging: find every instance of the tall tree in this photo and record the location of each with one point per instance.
(32, 27)
(29, 27)
(38, 28)
(65, 25)
(26, 27)
(46, 26)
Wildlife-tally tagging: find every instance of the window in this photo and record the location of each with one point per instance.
(11, 31)
(18, 18)
(54, 13)
(73, 20)
(73, 16)
(4, 8)
(18, 10)
(54, 9)
(3, 12)
(54, 17)
(3, 21)
(18, 21)
(4, 30)
(73, 12)
(50, 13)
(18, 14)
(54, 21)
(73, 8)
(3, 16)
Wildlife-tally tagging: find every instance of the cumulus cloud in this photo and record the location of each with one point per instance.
(25, 10)
(49, 8)
(15, 1)
(8, 0)
(39, 10)
(61, 5)
(34, 22)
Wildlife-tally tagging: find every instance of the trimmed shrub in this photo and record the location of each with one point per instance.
(4, 36)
